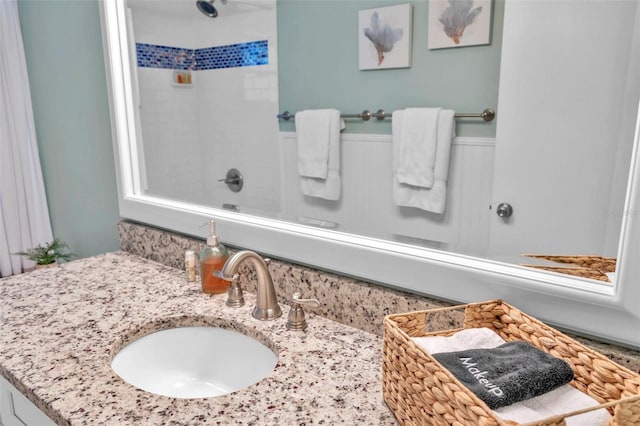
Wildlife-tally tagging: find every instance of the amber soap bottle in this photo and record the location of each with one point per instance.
(212, 258)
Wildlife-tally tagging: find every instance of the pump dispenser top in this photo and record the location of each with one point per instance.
(212, 239)
(212, 258)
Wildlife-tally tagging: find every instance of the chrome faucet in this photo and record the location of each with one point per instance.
(267, 304)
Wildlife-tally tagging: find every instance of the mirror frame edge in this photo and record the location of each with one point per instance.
(567, 302)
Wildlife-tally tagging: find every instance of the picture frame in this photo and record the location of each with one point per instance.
(459, 23)
(385, 37)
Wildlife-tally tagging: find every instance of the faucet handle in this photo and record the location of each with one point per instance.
(313, 303)
(226, 277)
(235, 298)
(296, 320)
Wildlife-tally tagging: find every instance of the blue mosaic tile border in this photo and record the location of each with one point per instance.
(233, 55)
(155, 56)
(230, 56)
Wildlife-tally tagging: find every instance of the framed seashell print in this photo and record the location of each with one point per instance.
(384, 37)
(458, 23)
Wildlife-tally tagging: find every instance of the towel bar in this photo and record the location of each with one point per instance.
(487, 115)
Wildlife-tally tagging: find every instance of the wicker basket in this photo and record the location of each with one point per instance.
(585, 266)
(420, 391)
(592, 274)
(600, 263)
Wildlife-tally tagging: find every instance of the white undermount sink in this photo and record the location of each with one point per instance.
(194, 362)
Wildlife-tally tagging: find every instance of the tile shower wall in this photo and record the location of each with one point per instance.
(170, 136)
(223, 119)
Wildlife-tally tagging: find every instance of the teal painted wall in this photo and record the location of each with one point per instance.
(63, 46)
(318, 67)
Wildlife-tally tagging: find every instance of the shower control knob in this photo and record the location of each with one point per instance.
(233, 179)
(504, 210)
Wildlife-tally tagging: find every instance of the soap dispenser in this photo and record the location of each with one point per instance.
(212, 258)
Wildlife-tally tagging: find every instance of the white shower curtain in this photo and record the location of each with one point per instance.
(24, 214)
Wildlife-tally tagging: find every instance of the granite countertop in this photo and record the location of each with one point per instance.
(62, 326)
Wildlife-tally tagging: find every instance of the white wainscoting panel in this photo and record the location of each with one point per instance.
(367, 208)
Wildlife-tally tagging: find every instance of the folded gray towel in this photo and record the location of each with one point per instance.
(508, 373)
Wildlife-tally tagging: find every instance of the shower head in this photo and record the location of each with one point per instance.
(207, 8)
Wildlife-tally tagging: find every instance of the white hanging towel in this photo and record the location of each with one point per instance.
(318, 141)
(417, 137)
(412, 192)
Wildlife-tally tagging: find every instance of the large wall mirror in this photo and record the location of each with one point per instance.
(195, 98)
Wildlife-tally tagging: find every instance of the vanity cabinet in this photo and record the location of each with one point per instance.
(17, 410)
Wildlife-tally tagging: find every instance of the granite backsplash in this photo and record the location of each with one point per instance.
(346, 300)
